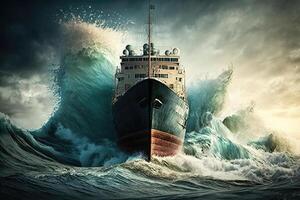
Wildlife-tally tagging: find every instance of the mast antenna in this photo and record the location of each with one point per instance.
(151, 7)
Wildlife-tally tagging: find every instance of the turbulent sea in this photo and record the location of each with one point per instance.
(74, 154)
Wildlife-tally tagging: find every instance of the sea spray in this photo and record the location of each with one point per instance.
(206, 96)
(85, 80)
(90, 153)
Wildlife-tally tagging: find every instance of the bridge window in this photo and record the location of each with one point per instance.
(161, 75)
(120, 78)
(171, 67)
(180, 79)
(131, 67)
(164, 67)
(140, 75)
(126, 67)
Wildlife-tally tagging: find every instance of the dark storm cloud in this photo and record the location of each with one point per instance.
(27, 33)
(30, 31)
(4, 79)
(30, 28)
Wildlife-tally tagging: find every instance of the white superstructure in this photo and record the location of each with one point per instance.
(165, 68)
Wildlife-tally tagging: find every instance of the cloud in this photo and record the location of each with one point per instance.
(29, 102)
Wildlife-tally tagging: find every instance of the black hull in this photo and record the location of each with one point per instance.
(150, 118)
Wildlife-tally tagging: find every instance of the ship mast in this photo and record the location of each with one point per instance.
(149, 38)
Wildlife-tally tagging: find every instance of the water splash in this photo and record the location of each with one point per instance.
(206, 96)
(84, 80)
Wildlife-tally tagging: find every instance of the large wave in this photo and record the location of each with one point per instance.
(80, 132)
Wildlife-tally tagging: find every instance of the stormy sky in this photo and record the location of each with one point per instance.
(258, 39)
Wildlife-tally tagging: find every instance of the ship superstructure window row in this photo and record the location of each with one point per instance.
(152, 59)
(140, 75)
(142, 66)
(161, 75)
(134, 67)
(167, 67)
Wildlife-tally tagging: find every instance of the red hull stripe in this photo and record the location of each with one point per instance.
(166, 136)
(162, 143)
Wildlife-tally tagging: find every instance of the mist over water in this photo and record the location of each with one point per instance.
(74, 155)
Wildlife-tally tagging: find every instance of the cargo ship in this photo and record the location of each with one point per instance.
(149, 106)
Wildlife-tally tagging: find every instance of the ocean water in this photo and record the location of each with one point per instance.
(74, 154)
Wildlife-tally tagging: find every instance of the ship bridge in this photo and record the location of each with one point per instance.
(164, 67)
